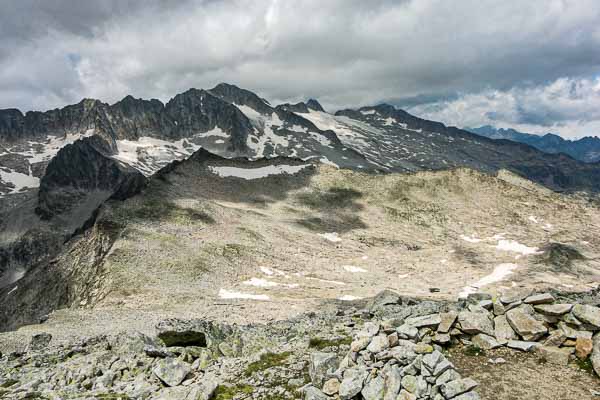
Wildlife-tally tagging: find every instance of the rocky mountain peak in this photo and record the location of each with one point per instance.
(314, 105)
(235, 95)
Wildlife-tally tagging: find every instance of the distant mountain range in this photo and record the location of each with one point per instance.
(586, 149)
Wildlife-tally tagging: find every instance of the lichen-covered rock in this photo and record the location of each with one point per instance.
(542, 298)
(321, 364)
(352, 383)
(171, 371)
(374, 389)
(485, 342)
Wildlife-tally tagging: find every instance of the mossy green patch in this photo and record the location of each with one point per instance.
(224, 392)
(586, 365)
(266, 361)
(321, 343)
(473, 351)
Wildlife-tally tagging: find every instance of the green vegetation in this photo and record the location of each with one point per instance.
(229, 392)
(473, 351)
(586, 365)
(266, 361)
(321, 343)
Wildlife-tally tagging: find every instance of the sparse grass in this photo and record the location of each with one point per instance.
(266, 361)
(332, 223)
(321, 343)
(224, 392)
(473, 351)
(586, 365)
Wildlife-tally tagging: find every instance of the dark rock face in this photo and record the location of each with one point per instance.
(80, 169)
(73, 118)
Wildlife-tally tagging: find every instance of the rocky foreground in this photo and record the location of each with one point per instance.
(389, 348)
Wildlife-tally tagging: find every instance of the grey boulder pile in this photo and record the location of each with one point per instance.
(387, 362)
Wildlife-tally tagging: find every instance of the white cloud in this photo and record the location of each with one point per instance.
(344, 52)
(568, 106)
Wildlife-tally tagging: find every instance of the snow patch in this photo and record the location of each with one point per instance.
(227, 294)
(348, 297)
(471, 239)
(516, 247)
(353, 269)
(259, 282)
(330, 236)
(148, 154)
(19, 180)
(256, 173)
(500, 272)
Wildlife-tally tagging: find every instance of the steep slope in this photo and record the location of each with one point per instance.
(398, 141)
(586, 149)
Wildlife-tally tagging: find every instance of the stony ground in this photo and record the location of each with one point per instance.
(200, 245)
(197, 245)
(386, 347)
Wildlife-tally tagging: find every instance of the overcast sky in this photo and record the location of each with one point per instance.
(530, 64)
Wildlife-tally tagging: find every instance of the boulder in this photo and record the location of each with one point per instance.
(556, 338)
(392, 382)
(522, 320)
(312, 393)
(498, 307)
(555, 355)
(485, 342)
(40, 341)
(583, 348)
(553, 309)
(378, 344)
(352, 383)
(384, 298)
(368, 330)
(176, 332)
(431, 320)
(502, 330)
(515, 295)
(320, 365)
(522, 345)
(410, 383)
(588, 314)
(572, 333)
(457, 387)
(595, 357)
(331, 387)
(543, 298)
(407, 332)
(446, 321)
(474, 323)
(360, 344)
(374, 389)
(406, 395)
(171, 371)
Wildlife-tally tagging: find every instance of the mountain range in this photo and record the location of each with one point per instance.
(58, 167)
(586, 149)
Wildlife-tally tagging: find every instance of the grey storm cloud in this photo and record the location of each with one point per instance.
(467, 62)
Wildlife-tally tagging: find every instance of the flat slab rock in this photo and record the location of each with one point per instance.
(588, 314)
(521, 319)
(475, 322)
